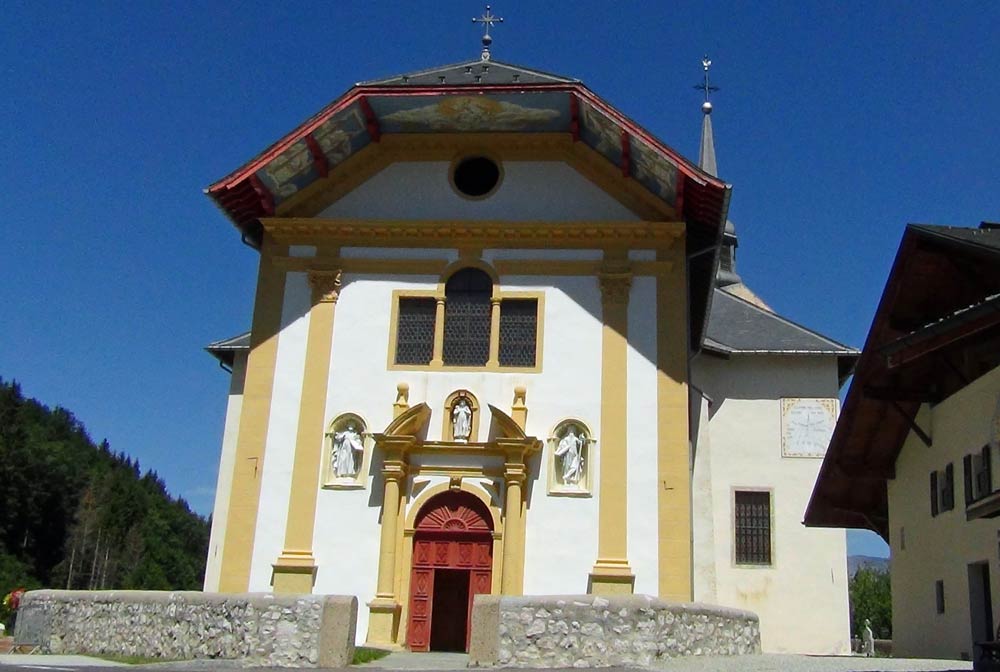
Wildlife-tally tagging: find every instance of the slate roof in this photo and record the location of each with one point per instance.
(225, 350)
(735, 325)
(986, 236)
(476, 72)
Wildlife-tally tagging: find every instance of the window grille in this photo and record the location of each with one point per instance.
(518, 328)
(753, 528)
(415, 331)
(467, 318)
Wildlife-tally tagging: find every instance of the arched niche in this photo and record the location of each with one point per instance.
(453, 410)
(346, 452)
(570, 462)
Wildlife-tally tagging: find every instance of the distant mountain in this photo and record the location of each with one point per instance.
(75, 514)
(856, 562)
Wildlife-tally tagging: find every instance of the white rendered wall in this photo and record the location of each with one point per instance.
(224, 484)
(282, 427)
(702, 502)
(642, 448)
(802, 597)
(529, 191)
(561, 531)
(940, 548)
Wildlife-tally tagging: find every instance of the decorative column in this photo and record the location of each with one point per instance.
(494, 359)
(295, 568)
(384, 610)
(611, 573)
(437, 359)
(515, 473)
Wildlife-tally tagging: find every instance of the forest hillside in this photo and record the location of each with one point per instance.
(75, 514)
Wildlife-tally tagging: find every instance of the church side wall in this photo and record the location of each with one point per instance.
(224, 484)
(702, 503)
(529, 191)
(276, 471)
(745, 436)
(926, 549)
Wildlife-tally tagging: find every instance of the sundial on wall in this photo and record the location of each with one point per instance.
(806, 426)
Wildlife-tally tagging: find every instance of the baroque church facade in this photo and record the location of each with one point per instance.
(490, 353)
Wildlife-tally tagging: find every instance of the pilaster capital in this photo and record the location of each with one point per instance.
(615, 285)
(326, 285)
(394, 470)
(515, 473)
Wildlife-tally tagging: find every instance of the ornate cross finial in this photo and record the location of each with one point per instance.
(487, 20)
(706, 107)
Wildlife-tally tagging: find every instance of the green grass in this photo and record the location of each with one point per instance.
(366, 654)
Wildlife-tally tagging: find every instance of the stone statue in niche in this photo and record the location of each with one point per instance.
(348, 450)
(461, 420)
(569, 455)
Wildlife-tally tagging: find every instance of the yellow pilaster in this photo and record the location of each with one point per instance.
(295, 568)
(384, 610)
(437, 359)
(673, 463)
(247, 467)
(611, 573)
(515, 473)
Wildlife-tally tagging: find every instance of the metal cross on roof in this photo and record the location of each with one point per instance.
(487, 20)
(705, 86)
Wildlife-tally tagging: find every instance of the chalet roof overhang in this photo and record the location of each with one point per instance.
(936, 328)
(538, 103)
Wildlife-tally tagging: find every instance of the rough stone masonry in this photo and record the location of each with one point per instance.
(593, 631)
(258, 628)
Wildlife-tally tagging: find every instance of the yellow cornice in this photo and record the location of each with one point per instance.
(464, 233)
(397, 147)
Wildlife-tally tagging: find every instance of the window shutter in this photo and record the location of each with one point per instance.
(967, 468)
(987, 485)
(948, 491)
(934, 493)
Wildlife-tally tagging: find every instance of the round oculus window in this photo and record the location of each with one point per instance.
(476, 176)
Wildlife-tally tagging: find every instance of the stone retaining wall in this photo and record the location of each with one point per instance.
(259, 628)
(592, 631)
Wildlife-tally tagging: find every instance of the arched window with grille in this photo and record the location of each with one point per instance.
(468, 322)
(468, 294)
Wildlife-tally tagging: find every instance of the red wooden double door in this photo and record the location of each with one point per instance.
(452, 563)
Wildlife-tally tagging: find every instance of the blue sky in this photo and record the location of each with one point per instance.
(837, 124)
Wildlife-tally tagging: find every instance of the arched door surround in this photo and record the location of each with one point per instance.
(452, 562)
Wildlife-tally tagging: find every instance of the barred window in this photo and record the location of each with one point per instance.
(518, 328)
(415, 331)
(467, 318)
(753, 528)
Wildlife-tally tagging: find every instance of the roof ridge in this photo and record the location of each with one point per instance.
(560, 79)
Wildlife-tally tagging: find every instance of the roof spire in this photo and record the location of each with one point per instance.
(487, 20)
(706, 155)
(727, 274)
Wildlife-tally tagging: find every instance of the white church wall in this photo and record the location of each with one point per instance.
(224, 484)
(434, 253)
(279, 451)
(702, 503)
(561, 531)
(542, 255)
(745, 437)
(642, 448)
(528, 191)
(926, 549)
